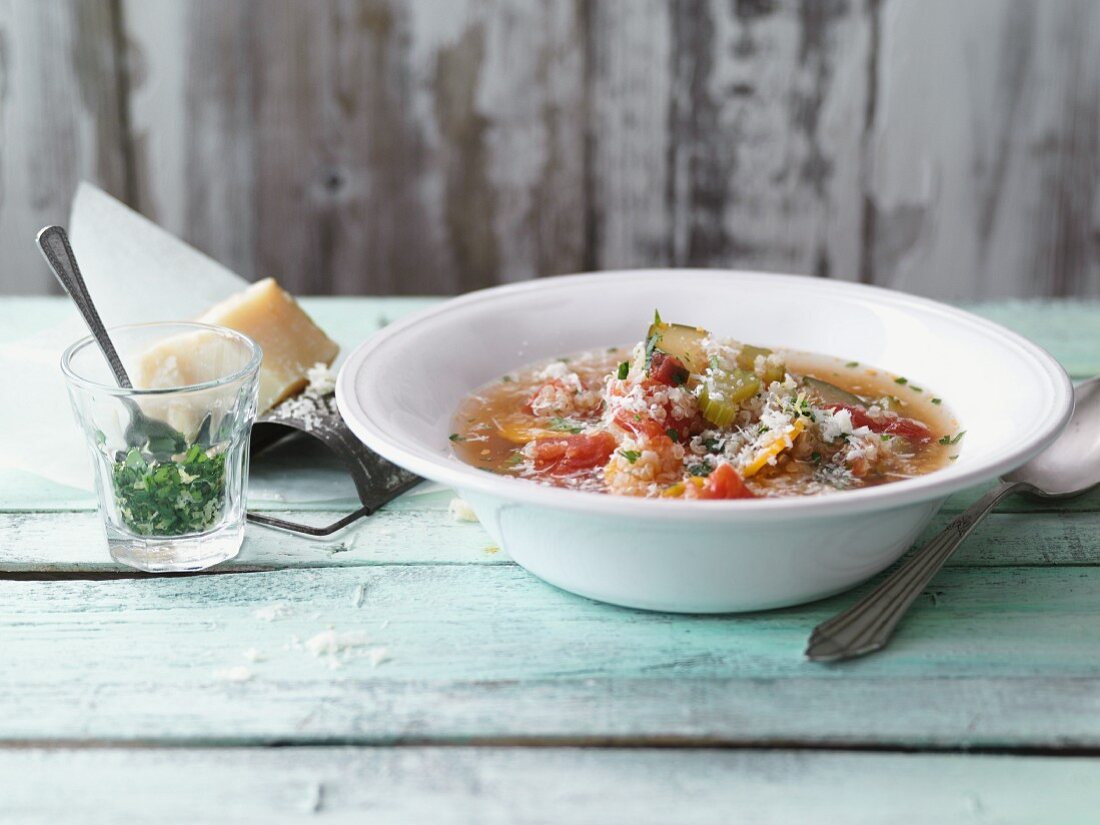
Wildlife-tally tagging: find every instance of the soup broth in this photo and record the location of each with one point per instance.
(687, 415)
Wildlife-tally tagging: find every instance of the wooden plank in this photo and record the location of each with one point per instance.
(1008, 657)
(413, 530)
(1067, 329)
(60, 122)
(366, 147)
(420, 530)
(986, 149)
(502, 785)
(192, 125)
(728, 134)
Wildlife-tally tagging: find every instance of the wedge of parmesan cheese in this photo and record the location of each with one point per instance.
(291, 342)
(292, 345)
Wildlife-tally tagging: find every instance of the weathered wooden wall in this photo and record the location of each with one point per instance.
(411, 146)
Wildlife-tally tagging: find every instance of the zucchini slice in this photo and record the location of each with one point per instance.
(680, 341)
(831, 393)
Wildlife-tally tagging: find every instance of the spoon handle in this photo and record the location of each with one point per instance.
(54, 243)
(868, 625)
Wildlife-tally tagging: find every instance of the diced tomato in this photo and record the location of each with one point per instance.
(723, 482)
(566, 454)
(645, 426)
(668, 370)
(892, 425)
(909, 428)
(640, 425)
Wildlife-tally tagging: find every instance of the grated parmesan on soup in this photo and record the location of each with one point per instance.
(687, 414)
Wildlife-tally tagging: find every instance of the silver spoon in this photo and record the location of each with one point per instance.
(1068, 467)
(142, 430)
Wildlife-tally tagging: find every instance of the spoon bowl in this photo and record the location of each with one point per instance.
(1071, 465)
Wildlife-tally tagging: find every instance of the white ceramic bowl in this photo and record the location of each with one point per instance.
(398, 393)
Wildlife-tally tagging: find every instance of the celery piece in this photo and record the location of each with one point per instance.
(721, 393)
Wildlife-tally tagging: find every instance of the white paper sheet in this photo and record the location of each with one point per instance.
(135, 272)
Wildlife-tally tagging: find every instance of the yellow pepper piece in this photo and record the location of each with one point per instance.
(518, 430)
(674, 491)
(677, 490)
(773, 449)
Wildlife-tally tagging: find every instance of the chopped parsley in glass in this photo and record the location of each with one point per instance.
(173, 496)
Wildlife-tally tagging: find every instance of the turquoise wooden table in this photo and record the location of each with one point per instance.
(407, 671)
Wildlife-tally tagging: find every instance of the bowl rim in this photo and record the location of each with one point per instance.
(452, 472)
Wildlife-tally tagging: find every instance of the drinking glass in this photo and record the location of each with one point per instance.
(171, 456)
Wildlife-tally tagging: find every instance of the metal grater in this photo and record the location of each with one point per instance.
(377, 480)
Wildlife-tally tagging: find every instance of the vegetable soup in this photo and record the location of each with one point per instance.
(686, 414)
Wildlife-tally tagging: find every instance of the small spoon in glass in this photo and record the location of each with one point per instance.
(1068, 467)
(141, 430)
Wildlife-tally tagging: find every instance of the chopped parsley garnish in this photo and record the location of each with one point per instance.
(937, 401)
(624, 370)
(915, 388)
(953, 457)
(713, 445)
(815, 457)
(456, 437)
(630, 455)
(886, 436)
(947, 439)
(900, 380)
(183, 494)
(514, 460)
(565, 425)
(802, 408)
(507, 379)
(651, 341)
(701, 470)
(673, 434)
(851, 364)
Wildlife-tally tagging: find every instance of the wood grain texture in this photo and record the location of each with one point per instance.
(61, 120)
(192, 122)
(985, 149)
(487, 786)
(418, 529)
(433, 146)
(383, 146)
(1006, 657)
(728, 133)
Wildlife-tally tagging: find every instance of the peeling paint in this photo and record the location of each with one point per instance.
(700, 167)
(5, 63)
(816, 57)
(1016, 59)
(469, 196)
(897, 231)
(94, 67)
